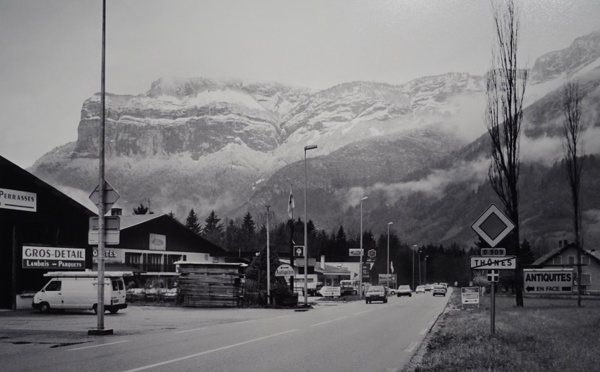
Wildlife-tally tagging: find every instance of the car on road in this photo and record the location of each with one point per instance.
(428, 287)
(404, 290)
(420, 289)
(439, 290)
(376, 293)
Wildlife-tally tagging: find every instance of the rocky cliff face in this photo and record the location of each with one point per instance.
(231, 146)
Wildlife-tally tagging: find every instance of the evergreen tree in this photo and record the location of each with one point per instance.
(248, 234)
(191, 222)
(213, 230)
(141, 209)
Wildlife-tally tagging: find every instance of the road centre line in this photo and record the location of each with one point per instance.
(411, 347)
(362, 312)
(210, 325)
(328, 321)
(209, 351)
(93, 346)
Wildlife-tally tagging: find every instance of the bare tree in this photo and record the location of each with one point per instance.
(504, 114)
(574, 163)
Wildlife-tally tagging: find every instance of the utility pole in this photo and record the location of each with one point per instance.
(268, 261)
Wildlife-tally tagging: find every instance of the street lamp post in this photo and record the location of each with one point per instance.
(413, 265)
(268, 261)
(306, 148)
(360, 268)
(388, 252)
(419, 259)
(425, 270)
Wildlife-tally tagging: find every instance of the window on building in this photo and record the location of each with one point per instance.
(586, 279)
(171, 259)
(155, 263)
(571, 260)
(133, 260)
(585, 260)
(557, 260)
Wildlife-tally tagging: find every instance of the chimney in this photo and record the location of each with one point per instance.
(322, 262)
(116, 211)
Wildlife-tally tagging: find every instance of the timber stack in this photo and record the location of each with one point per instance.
(204, 284)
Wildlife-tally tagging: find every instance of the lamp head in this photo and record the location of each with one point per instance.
(310, 147)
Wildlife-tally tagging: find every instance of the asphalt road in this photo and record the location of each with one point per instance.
(351, 336)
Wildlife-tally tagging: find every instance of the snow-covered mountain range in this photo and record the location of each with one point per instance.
(234, 146)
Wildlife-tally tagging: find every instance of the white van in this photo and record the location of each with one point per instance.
(79, 291)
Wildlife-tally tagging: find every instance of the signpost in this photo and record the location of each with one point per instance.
(469, 296)
(493, 226)
(329, 291)
(285, 271)
(298, 251)
(548, 281)
(491, 263)
(355, 252)
(18, 200)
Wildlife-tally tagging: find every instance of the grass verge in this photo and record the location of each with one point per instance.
(544, 335)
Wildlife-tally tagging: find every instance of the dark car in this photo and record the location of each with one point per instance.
(376, 293)
(404, 290)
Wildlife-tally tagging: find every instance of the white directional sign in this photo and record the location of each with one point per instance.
(493, 226)
(491, 263)
(330, 291)
(548, 281)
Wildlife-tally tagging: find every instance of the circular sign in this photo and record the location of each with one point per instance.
(372, 253)
(285, 270)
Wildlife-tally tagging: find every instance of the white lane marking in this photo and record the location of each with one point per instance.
(328, 321)
(423, 331)
(362, 312)
(203, 328)
(411, 347)
(93, 346)
(209, 351)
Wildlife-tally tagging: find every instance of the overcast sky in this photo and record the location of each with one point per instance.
(50, 51)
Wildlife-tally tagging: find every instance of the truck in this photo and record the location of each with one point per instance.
(312, 284)
(349, 287)
(78, 290)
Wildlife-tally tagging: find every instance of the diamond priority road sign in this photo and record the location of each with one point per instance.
(493, 226)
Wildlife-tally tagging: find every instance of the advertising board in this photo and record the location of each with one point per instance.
(548, 281)
(469, 295)
(37, 257)
(330, 291)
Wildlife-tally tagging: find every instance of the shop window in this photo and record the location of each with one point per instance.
(133, 259)
(155, 263)
(571, 260)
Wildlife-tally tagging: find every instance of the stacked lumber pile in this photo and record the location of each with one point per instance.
(211, 284)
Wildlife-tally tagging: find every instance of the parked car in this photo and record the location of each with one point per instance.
(439, 290)
(404, 290)
(428, 287)
(420, 289)
(376, 293)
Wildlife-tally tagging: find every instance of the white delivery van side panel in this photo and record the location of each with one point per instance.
(80, 291)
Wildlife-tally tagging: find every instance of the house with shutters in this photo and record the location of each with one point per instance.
(565, 256)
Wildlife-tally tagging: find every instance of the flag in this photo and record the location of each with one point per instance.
(392, 266)
(291, 204)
